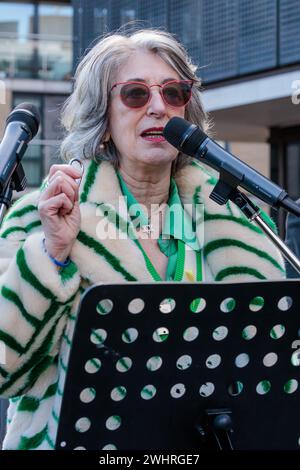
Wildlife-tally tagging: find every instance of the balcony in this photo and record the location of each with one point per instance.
(36, 56)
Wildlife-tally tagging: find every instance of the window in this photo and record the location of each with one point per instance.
(55, 19)
(17, 18)
(293, 169)
(100, 21)
(33, 159)
(36, 40)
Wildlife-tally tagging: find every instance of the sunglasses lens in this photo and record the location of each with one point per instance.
(177, 93)
(134, 95)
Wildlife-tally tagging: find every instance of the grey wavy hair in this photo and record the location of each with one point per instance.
(85, 113)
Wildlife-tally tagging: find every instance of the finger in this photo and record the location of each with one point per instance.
(56, 205)
(59, 184)
(69, 170)
(72, 180)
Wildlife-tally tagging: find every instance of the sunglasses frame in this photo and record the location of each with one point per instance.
(190, 82)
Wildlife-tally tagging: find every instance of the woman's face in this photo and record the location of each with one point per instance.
(127, 126)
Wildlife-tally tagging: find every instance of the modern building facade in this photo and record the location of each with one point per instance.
(248, 54)
(247, 51)
(36, 53)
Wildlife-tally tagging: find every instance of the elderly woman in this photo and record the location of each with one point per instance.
(112, 223)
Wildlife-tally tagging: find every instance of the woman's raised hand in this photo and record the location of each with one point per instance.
(59, 210)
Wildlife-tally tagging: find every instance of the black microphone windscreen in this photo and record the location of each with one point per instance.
(175, 129)
(27, 113)
(184, 135)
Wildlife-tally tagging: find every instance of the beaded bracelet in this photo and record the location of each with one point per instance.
(55, 261)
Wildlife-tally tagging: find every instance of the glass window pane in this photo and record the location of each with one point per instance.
(32, 169)
(55, 20)
(55, 55)
(16, 50)
(100, 21)
(16, 18)
(293, 169)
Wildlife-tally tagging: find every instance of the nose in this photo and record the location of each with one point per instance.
(156, 104)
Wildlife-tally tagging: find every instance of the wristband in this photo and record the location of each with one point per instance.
(55, 261)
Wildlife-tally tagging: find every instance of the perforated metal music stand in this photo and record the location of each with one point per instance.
(182, 373)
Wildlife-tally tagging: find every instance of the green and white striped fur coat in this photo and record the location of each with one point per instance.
(38, 304)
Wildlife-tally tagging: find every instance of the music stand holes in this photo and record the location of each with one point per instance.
(213, 361)
(113, 423)
(228, 305)
(207, 389)
(167, 305)
(92, 365)
(263, 387)
(136, 306)
(154, 363)
(63, 444)
(178, 390)
(104, 306)
(197, 305)
(285, 303)
(270, 359)
(87, 395)
(109, 447)
(82, 424)
(118, 393)
(277, 331)
(184, 362)
(235, 388)
(249, 332)
(148, 392)
(124, 364)
(190, 334)
(130, 335)
(295, 358)
(290, 386)
(161, 334)
(98, 336)
(256, 303)
(220, 333)
(242, 360)
(79, 448)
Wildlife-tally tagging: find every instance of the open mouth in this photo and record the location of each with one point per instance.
(153, 134)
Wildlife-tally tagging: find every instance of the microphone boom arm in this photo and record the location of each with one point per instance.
(18, 182)
(252, 212)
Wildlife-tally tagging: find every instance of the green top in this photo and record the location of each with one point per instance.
(178, 230)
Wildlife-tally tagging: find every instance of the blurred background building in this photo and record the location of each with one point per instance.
(36, 53)
(247, 51)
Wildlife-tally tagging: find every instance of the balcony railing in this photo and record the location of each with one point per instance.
(36, 56)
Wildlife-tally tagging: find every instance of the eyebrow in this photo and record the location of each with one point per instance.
(142, 80)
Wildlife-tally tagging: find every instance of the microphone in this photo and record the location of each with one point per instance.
(191, 140)
(22, 125)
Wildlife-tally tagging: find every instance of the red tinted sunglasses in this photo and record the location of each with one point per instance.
(175, 93)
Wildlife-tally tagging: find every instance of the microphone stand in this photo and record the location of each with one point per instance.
(18, 183)
(252, 213)
(225, 189)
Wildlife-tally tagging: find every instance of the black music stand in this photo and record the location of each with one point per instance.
(215, 373)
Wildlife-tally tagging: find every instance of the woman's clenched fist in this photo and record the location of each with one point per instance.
(59, 210)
